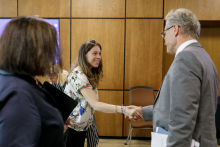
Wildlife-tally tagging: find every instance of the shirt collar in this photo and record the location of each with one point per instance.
(183, 46)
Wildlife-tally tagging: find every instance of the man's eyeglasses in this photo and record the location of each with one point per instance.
(163, 33)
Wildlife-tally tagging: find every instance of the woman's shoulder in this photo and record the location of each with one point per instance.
(76, 73)
(78, 78)
(66, 73)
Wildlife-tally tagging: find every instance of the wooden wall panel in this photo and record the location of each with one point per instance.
(110, 34)
(210, 41)
(135, 132)
(144, 51)
(98, 8)
(65, 42)
(8, 8)
(109, 124)
(144, 8)
(44, 8)
(203, 9)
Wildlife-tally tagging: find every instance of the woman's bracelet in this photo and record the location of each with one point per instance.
(122, 109)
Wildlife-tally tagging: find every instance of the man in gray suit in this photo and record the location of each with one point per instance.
(186, 102)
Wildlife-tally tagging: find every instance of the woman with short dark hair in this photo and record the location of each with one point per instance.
(29, 116)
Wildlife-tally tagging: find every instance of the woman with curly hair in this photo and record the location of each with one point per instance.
(82, 85)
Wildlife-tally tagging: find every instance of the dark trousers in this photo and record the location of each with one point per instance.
(74, 138)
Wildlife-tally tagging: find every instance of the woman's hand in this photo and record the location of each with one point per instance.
(134, 112)
(68, 122)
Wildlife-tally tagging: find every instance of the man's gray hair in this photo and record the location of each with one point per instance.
(187, 21)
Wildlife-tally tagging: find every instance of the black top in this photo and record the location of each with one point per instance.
(28, 115)
(64, 103)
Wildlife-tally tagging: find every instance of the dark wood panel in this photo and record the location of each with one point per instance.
(110, 34)
(44, 8)
(109, 124)
(98, 8)
(144, 8)
(144, 51)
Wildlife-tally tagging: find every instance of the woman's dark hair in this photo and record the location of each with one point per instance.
(29, 46)
(94, 75)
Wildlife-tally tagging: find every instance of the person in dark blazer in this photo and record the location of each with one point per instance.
(186, 102)
(29, 116)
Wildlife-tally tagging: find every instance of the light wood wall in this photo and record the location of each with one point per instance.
(203, 9)
(132, 49)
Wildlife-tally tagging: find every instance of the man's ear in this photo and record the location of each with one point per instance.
(176, 29)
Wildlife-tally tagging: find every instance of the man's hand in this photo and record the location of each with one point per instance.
(138, 109)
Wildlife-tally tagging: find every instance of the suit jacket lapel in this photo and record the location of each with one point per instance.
(159, 91)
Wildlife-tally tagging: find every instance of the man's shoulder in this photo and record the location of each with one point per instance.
(194, 49)
(193, 52)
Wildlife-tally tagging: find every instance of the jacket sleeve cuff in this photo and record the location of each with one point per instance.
(148, 112)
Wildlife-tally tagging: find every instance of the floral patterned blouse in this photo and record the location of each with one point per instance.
(82, 114)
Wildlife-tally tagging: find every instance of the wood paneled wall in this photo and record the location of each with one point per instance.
(203, 9)
(144, 9)
(44, 8)
(98, 8)
(132, 49)
(8, 8)
(143, 62)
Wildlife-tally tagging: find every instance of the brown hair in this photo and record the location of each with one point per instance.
(62, 74)
(29, 46)
(53, 72)
(94, 75)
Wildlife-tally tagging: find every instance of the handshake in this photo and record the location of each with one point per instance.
(134, 112)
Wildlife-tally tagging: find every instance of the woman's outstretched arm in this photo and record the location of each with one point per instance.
(107, 108)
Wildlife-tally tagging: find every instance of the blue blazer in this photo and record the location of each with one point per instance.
(28, 115)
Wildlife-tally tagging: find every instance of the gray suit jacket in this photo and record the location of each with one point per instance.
(187, 100)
